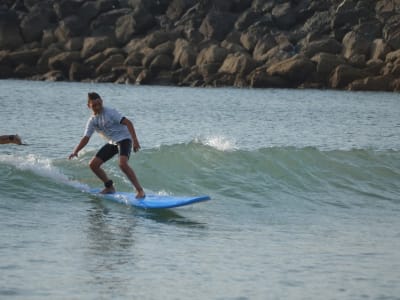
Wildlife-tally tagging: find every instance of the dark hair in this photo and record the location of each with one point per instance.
(93, 96)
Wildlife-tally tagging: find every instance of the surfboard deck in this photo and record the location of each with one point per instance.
(151, 200)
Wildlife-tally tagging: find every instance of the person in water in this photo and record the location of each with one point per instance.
(120, 133)
(10, 139)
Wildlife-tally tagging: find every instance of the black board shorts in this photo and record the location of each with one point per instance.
(108, 151)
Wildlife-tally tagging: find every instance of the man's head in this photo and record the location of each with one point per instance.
(95, 103)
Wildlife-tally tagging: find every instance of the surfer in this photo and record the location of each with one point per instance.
(10, 139)
(120, 133)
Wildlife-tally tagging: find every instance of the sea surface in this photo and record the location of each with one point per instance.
(305, 188)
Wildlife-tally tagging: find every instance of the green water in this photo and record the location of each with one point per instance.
(304, 185)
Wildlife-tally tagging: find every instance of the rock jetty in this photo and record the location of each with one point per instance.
(334, 44)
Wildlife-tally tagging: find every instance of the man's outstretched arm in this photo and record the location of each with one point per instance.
(79, 147)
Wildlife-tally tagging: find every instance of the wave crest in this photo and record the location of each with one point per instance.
(43, 167)
(220, 143)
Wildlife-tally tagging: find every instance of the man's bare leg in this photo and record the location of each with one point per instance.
(95, 166)
(123, 164)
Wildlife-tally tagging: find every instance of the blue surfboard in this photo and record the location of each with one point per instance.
(150, 201)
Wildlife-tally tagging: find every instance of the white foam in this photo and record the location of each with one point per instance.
(42, 167)
(163, 193)
(220, 143)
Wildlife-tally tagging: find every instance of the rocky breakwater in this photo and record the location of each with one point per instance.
(247, 43)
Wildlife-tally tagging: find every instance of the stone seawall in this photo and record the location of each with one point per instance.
(353, 45)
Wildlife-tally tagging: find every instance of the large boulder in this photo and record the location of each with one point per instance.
(134, 59)
(393, 56)
(240, 5)
(28, 57)
(264, 44)
(391, 31)
(74, 44)
(113, 51)
(396, 85)
(107, 20)
(166, 48)
(373, 83)
(48, 38)
(252, 36)
(92, 45)
(370, 29)
(54, 75)
(156, 38)
(211, 55)
(125, 28)
(95, 60)
(392, 64)
(43, 61)
(5, 59)
(161, 62)
(276, 55)
(259, 78)
(158, 7)
(306, 9)
(144, 77)
(347, 15)
(263, 5)
(107, 5)
(133, 72)
(64, 8)
(178, 7)
(355, 44)
(345, 74)
(325, 64)
(69, 27)
(35, 22)
(208, 71)
(184, 54)
(378, 49)
(246, 19)
(319, 23)
(136, 23)
(216, 25)
(24, 71)
(233, 47)
(6, 72)
(111, 62)
(10, 36)
(387, 8)
(78, 71)
(284, 15)
(238, 63)
(327, 45)
(88, 11)
(295, 69)
(63, 61)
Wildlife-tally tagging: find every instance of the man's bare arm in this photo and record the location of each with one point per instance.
(79, 147)
(131, 128)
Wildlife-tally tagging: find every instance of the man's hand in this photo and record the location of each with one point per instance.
(80, 146)
(136, 146)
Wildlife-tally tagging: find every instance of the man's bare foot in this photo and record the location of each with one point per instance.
(109, 190)
(140, 195)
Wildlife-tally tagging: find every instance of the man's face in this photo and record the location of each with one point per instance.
(96, 105)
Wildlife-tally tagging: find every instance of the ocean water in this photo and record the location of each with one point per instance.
(305, 188)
